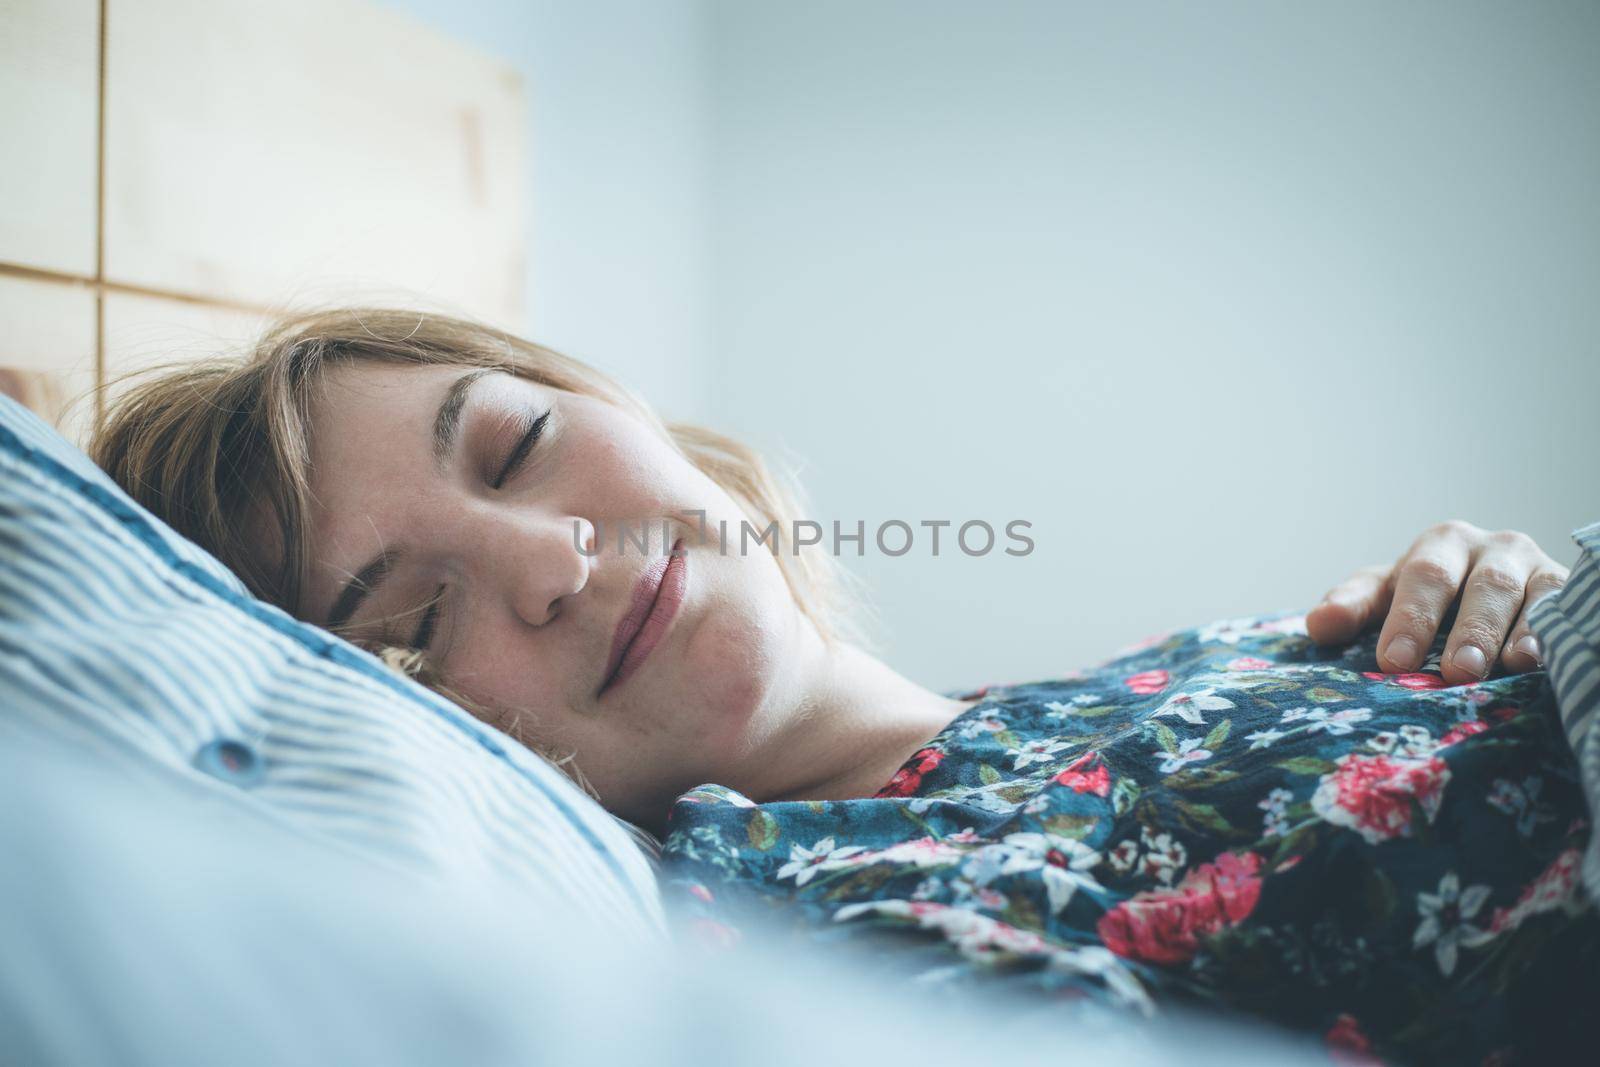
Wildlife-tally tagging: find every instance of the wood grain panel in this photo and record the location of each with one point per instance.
(47, 351)
(143, 333)
(49, 58)
(311, 150)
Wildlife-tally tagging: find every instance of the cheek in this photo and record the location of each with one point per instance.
(509, 690)
(734, 659)
(623, 460)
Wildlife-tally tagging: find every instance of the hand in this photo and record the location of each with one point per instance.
(1498, 576)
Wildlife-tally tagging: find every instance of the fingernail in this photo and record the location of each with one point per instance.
(1529, 646)
(1470, 658)
(1402, 651)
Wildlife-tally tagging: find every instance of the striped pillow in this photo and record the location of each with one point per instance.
(1567, 623)
(133, 642)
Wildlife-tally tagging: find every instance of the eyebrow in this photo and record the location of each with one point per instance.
(358, 588)
(446, 428)
(447, 423)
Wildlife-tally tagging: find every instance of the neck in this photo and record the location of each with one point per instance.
(857, 722)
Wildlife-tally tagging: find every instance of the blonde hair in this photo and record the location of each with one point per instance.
(213, 447)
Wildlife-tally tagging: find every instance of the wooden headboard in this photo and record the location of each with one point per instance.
(180, 169)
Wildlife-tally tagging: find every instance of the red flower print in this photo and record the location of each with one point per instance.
(1347, 1045)
(713, 934)
(1555, 887)
(908, 779)
(1373, 794)
(1410, 681)
(1144, 642)
(1248, 663)
(1461, 731)
(1079, 780)
(1147, 682)
(1165, 925)
(1502, 713)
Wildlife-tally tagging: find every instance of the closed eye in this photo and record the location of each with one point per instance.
(518, 456)
(430, 622)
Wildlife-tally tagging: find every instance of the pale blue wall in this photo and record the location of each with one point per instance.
(1227, 298)
(618, 152)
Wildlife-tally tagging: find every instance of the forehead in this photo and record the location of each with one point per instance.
(350, 393)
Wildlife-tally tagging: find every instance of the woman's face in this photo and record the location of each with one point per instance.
(527, 601)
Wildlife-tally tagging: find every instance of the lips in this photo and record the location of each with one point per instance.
(657, 596)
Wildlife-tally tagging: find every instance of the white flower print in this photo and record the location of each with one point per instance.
(983, 865)
(1101, 962)
(1337, 723)
(1508, 796)
(1275, 804)
(1188, 752)
(1234, 680)
(1444, 920)
(1188, 706)
(1315, 720)
(1228, 631)
(1060, 710)
(989, 898)
(1417, 741)
(985, 721)
(1124, 856)
(1412, 742)
(1038, 750)
(1292, 624)
(975, 935)
(989, 799)
(1164, 857)
(964, 894)
(1264, 738)
(1063, 862)
(988, 941)
(1521, 802)
(804, 863)
(919, 852)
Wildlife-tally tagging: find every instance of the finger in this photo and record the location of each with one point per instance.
(1351, 605)
(1490, 603)
(1522, 651)
(1425, 586)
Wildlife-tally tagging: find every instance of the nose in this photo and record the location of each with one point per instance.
(542, 563)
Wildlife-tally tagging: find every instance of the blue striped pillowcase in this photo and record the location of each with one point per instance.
(1567, 623)
(134, 643)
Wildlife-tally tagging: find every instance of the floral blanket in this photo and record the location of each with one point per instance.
(1228, 817)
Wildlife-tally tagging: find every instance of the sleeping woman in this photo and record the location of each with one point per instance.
(1363, 822)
